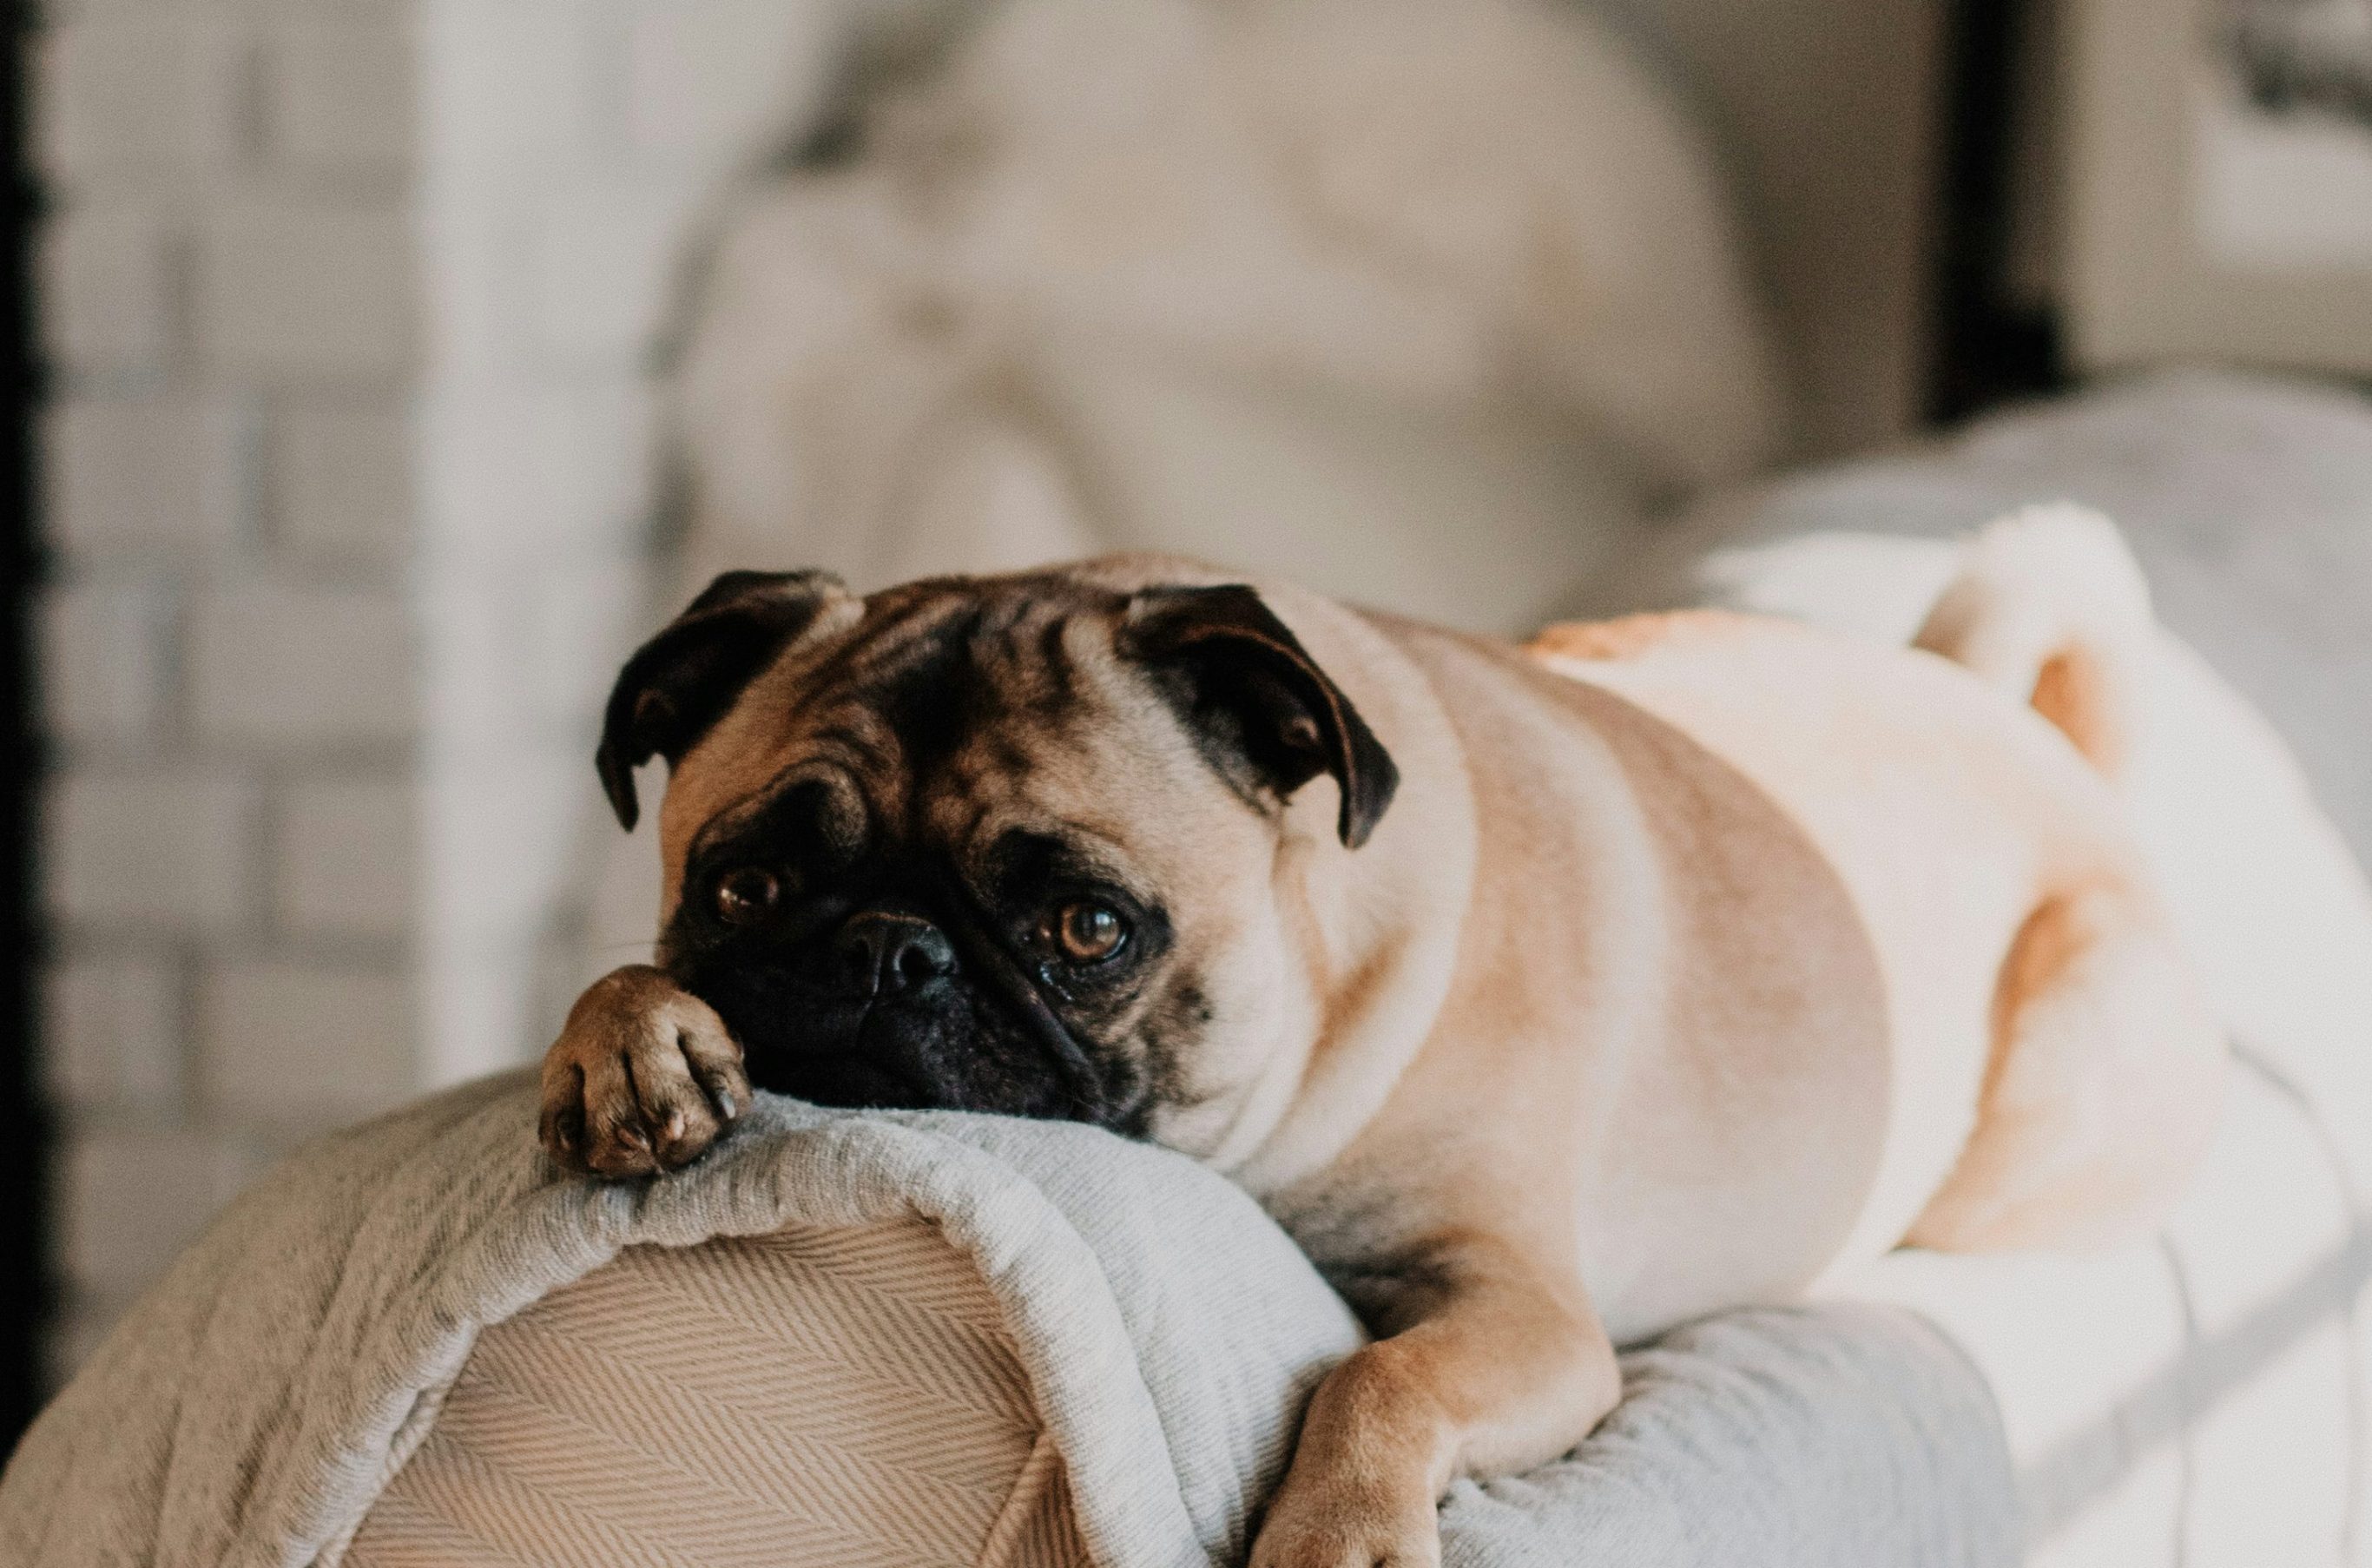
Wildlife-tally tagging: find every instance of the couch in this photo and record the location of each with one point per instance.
(928, 1338)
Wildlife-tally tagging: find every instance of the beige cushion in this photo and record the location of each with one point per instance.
(833, 1397)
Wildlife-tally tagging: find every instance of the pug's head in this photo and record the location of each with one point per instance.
(1007, 845)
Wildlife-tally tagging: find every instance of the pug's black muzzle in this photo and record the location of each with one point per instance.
(891, 1011)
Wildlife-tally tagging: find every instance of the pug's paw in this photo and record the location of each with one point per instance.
(643, 1078)
(1339, 1521)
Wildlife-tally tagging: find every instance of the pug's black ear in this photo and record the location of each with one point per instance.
(681, 681)
(1242, 681)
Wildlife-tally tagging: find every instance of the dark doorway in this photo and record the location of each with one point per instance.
(24, 1147)
(1990, 348)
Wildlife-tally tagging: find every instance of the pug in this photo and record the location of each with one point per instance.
(1549, 995)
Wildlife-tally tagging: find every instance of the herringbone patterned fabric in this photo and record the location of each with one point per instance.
(846, 1399)
(549, 1370)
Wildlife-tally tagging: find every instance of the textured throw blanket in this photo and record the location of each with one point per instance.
(252, 1408)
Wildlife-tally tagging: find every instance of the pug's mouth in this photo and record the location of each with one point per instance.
(853, 1080)
(860, 1056)
(946, 1044)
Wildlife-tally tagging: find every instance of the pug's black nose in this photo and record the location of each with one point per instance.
(880, 955)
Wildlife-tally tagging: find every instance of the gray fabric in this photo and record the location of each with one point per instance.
(1794, 1437)
(2249, 501)
(251, 1406)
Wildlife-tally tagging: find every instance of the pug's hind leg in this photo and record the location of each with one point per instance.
(2103, 1089)
(644, 1077)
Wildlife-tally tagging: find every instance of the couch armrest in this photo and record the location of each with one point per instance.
(809, 1397)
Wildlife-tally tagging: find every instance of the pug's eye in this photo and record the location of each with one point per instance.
(1086, 931)
(747, 896)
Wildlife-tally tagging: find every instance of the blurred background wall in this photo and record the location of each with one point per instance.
(350, 312)
(354, 316)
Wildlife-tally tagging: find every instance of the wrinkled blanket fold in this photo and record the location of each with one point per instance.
(252, 1406)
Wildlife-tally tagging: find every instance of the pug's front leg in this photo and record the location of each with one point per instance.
(1502, 1369)
(643, 1078)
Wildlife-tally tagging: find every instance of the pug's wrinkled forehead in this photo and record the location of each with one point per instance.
(955, 695)
(938, 709)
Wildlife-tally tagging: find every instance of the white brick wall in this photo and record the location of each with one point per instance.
(111, 1032)
(132, 1195)
(340, 91)
(514, 85)
(350, 309)
(303, 287)
(605, 252)
(534, 470)
(340, 485)
(104, 658)
(346, 859)
(162, 849)
(107, 283)
(230, 659)
(282, 666)
(574, 147)
(144, 478)
(304, 1044)
(136, 97)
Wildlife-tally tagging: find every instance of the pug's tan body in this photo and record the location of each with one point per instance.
(1695, 957)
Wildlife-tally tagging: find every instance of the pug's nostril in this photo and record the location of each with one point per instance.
(916, 966)
(916, 953)
(879, 953)
(860, 958)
